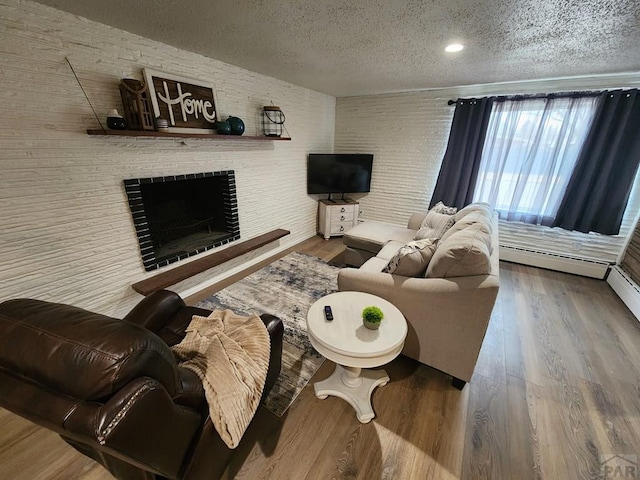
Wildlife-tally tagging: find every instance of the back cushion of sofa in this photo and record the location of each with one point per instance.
(466, 252)
(473, 207)
(474, 217)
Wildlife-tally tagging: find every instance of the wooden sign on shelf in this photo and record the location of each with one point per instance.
(190, 106)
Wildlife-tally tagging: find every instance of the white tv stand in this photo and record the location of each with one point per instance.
(337, 216)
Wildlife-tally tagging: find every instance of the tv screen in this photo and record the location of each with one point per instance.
(339, 172)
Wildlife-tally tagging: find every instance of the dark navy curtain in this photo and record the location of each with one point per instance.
(459, 170)
(601, 182)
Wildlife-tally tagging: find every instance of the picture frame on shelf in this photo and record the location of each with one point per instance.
(188, 105)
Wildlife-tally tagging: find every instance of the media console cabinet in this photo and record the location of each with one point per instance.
(336, 217)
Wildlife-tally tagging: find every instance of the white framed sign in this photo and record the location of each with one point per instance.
(190, 106)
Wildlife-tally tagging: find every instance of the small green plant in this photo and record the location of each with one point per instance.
(372, 314)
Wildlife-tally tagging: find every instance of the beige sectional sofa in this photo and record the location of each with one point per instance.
(447, 306)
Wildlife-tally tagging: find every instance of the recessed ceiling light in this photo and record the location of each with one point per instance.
(454, 47)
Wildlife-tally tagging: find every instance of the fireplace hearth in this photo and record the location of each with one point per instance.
(179, 216)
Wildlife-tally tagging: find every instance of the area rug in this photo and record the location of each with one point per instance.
(286, 288)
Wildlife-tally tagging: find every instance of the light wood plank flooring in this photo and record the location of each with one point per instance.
(557, 384)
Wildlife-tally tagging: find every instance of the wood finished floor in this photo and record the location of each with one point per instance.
(557, 384)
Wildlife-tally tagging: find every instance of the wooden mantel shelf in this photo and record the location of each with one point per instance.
(153, 134)
(175, 275)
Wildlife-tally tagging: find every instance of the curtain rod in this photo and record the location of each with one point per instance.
(503, 98)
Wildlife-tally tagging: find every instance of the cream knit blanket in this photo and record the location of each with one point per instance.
(230, 354)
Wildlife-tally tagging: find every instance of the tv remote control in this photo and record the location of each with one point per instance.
(328, 314)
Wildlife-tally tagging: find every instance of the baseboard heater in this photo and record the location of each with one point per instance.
(626, 289)
(553, 261)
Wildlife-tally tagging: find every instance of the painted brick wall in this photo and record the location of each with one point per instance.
(66, 233)
(408, 132)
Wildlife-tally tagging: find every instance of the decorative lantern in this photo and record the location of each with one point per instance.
(136, 103)
(272, 121)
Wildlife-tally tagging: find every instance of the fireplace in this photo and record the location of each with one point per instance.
(180, 216)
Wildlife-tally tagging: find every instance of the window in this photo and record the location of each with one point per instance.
(530, 150)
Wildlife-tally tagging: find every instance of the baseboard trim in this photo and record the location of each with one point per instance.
(551, 261)
(626, 289)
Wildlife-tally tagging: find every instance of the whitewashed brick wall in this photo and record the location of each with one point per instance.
(65, 229)
(408, 133)
(66, 233)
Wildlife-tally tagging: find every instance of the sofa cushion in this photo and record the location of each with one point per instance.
(472, 207)
(412, 259)
(374, 264)
(371, 236)
(434, 225)
(474, 217)
(390, 249)
(466, 252)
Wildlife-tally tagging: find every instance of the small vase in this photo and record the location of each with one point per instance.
(223, 128)
(237, 125)
(371, 325)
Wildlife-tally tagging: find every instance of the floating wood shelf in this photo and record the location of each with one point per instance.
(175, 275)
(153, 134)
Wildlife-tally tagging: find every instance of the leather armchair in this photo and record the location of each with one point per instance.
(112, 389)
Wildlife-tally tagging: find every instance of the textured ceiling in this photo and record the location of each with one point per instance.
(355, 47)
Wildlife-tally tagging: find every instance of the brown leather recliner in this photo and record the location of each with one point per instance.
(112, 389)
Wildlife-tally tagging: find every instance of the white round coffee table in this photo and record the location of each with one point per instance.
(353, 347)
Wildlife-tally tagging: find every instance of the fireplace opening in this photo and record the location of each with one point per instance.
(180, 216)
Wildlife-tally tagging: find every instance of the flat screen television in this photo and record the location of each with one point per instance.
(339, 172)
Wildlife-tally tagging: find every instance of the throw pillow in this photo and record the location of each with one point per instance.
(442, 208)
(434, 225)
(412, 259)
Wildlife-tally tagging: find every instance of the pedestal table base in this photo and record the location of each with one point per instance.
(355, 386)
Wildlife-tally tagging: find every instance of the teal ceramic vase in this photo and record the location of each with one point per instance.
(237, 125)
(223, 128)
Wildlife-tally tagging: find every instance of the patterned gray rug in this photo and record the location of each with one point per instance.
(286, 289)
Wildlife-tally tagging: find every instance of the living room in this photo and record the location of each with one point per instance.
(67, 231)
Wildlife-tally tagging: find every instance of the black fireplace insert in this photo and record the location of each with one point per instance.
(180, 216)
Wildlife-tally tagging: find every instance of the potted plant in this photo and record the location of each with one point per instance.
(371, 317)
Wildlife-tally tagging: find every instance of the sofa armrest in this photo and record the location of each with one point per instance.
(156, 310)
(275, 328)
(144, 424)
(415, 221)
